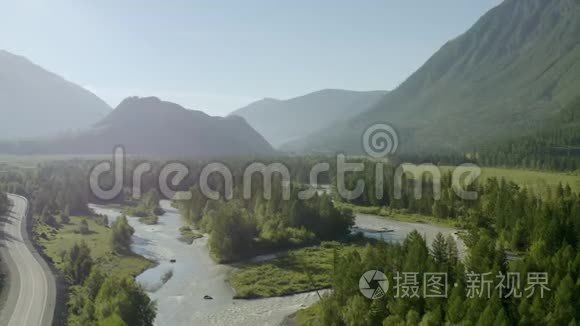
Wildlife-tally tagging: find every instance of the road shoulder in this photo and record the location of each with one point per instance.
(57, 286)
(11, 290)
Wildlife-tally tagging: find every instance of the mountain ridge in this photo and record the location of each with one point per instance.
(149, 126)
(512, 70)
(281, 121)
(41, 103)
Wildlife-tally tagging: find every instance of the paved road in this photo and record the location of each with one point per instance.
(31, 285)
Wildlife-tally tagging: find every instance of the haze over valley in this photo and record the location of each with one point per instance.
(297, 163)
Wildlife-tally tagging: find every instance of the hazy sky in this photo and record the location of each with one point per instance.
(217, 56)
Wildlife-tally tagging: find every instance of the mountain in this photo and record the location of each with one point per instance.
(37, 102)
(281, 121)
(149, 126)
(507, 76)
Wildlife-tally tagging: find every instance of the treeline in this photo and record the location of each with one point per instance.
(555, 147)
(546, 233)
(100, 298)
(4, 203)
(51, 187)
(517, 212)
(520, 219)
(244, 227)
(449, 206)
(557, 150)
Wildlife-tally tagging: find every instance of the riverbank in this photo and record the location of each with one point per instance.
(194, 274)
(298, 271)
(396, 215)
(311, 268)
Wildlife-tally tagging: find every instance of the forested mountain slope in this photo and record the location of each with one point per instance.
(515, 69)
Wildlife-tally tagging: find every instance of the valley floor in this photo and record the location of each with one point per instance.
(538, 181)
(56, 241)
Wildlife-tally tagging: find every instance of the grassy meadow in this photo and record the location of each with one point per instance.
(398, 215)
(537, 181)
(56, 241)
(299, 271)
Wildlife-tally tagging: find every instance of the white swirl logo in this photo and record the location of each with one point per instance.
(380, 140)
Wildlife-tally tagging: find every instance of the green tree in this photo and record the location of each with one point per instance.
(47, 218)
(65, 216)
(113, 320)
(439, 250)
(121, 296)
(356, 311)
(84, 227)
(456, 305)
(121, 233)
(78, 263)
(329, 312)
(413, 318)
(232, 231)
(564, 311)
(81, 302)
(393, 320)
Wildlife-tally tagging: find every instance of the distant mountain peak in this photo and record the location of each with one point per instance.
(5, 53)
(41, 103)
(152, 127)
(149, 108)
(264, 102)
(281, 121)
(138, 99)
(147, 104)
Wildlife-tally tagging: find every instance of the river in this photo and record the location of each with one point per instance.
(180, 300)
(399, 230)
